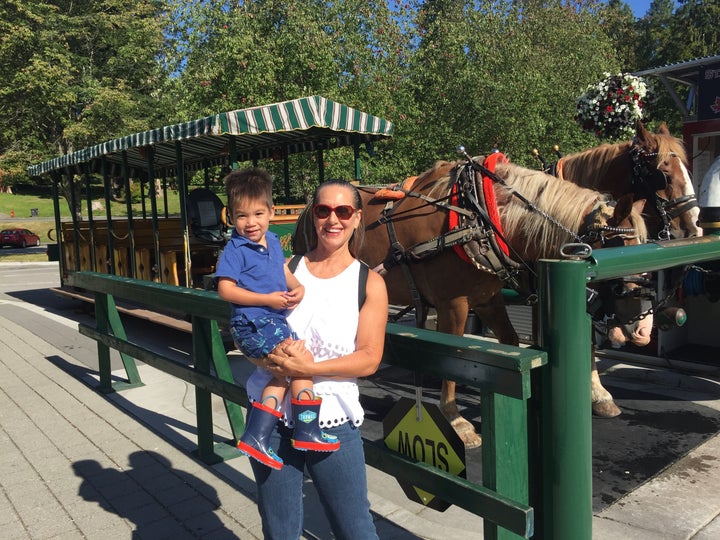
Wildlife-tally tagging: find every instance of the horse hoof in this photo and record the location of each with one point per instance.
(466, 431)
(471, 440)
(606, 409)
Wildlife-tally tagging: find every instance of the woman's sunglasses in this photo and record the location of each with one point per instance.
(343, 212)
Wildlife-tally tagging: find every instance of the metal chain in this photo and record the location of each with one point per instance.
(654, 309)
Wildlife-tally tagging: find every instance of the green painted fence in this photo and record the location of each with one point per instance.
(501, 373)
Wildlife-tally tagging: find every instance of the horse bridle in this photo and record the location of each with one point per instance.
(643, 173)
(603, 234)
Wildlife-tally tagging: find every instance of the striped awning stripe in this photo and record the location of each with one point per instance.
(298, 125)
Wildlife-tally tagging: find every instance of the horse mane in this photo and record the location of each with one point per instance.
(566, 202)
(583, 166)
(562, 200)
(437, 179)
(667, 146)
(637, 222)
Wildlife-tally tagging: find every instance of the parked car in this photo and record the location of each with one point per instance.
(18, 238)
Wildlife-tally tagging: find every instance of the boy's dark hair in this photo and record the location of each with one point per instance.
(251, 184)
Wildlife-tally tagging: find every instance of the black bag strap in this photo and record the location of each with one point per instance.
(362, 277)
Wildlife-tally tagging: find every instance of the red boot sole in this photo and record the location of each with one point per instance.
(317, 447)
(259, 456)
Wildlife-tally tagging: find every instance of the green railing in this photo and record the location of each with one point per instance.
(564, 498)
(500, 372)
(547, 439)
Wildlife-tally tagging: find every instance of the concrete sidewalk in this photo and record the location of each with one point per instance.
(80, 464)
(75, 463)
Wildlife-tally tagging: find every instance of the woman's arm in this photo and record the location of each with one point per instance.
(370, 342)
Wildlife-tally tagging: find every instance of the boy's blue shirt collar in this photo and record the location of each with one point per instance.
(239, 240)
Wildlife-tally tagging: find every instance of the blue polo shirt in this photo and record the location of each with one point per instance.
(255, 268)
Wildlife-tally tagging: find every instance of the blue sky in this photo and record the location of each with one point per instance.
(639, 7)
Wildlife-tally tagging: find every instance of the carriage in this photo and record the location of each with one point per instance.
(176, 234)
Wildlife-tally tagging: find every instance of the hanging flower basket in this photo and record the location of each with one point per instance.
(611, 108)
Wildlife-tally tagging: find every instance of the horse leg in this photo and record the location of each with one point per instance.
(451, 320)
(603, 404)
(494, 315)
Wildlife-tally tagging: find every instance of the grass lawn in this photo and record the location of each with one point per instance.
(22, 205)
(22, 257)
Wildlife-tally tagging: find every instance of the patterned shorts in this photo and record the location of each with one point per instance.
(258, 337)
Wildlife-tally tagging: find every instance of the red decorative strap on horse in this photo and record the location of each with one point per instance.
(392, 193)
(490, 163)
(489, 194)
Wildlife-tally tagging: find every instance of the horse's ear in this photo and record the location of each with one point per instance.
(622, 209)
(641, 132)
(663, 129)
(639, 205)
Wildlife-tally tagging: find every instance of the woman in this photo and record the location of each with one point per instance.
(346, 341)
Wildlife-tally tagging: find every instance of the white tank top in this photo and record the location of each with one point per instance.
(327, 319)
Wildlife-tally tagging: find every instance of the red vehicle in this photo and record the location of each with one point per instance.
(18, 238)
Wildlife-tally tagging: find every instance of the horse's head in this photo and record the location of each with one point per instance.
(660, 174)
(626, 303)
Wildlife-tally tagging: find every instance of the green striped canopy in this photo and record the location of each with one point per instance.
(298, 125)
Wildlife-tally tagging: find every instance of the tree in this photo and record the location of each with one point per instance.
(620, 26)
(74, 73)
(655, 35)
(698, 24)
(505, 73)
(233, 56)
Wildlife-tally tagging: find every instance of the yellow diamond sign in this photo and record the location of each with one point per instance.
(426, 437)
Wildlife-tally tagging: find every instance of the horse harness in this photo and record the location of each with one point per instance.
(476, 233)
(647, 180)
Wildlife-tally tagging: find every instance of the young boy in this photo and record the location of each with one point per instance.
(253, 277)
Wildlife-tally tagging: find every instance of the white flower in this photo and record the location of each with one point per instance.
(611, 107)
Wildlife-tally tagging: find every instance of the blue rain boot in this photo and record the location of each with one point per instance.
(255, 442)
(307, 434)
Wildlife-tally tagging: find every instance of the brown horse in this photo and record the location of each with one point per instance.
(653, 166)
(414, 252)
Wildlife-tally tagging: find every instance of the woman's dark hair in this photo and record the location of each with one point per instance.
(358, 236)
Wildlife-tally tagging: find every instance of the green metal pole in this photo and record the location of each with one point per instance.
(155, 271)
(102, 325)
(202, 355)
(356, 160)
(90, 219)
(56, 179)
(130, 218)
(182, 190)
(566, 437)
(109, 266)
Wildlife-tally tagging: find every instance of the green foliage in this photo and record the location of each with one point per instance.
(74, 73)
(477, 73)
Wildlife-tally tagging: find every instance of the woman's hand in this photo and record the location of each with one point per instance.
(291, 359)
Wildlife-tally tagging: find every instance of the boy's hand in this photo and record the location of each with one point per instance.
(278, 300)
(295, 296)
